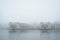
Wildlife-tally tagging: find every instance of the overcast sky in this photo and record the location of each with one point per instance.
(29, 11)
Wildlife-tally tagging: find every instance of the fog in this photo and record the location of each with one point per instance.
(29, 11)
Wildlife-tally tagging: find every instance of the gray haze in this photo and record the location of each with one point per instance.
(29, 11)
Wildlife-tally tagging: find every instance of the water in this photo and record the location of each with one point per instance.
(28, 35)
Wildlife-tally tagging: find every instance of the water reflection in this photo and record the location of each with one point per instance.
(29, 35)
(35, 35)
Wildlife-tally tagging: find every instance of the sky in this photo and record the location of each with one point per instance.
(29, 11)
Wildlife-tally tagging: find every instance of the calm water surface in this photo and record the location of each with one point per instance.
(28, 35)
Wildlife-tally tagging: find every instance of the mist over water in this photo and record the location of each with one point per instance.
(31, 13)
